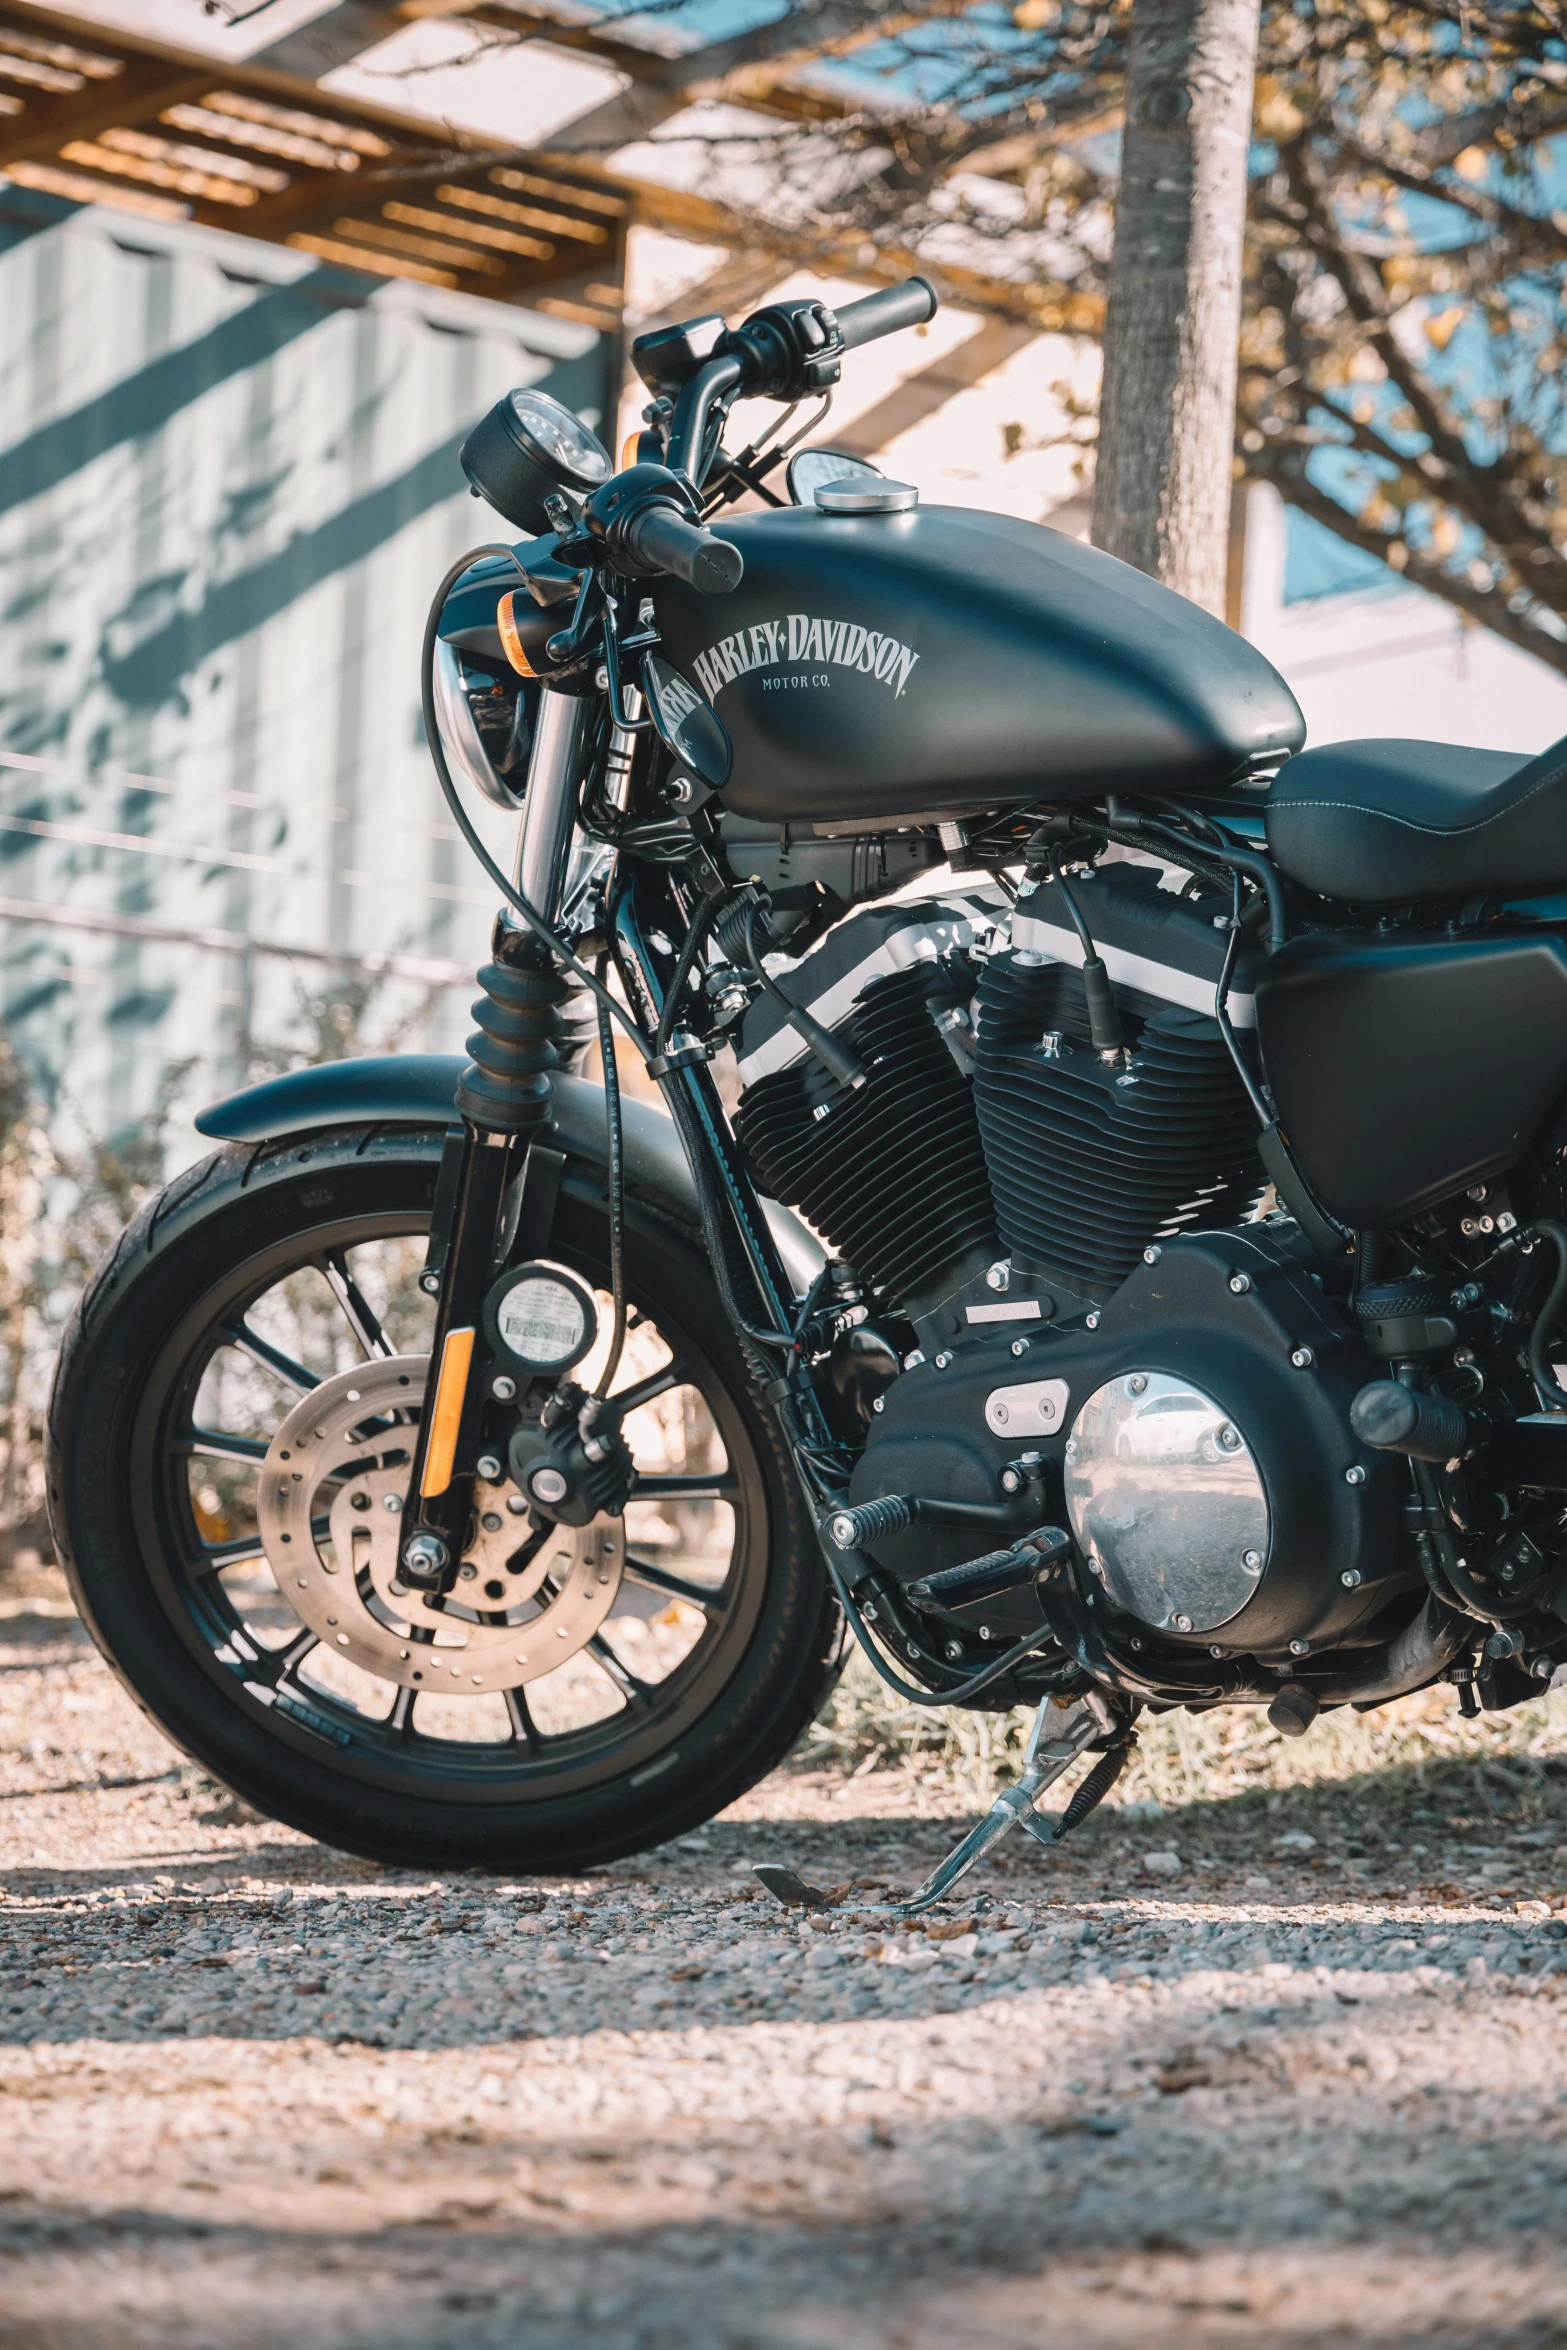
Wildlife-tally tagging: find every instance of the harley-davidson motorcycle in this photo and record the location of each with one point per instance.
(1116, 1262)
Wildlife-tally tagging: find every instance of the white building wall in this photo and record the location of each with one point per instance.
(228, 487)
(1387, 658)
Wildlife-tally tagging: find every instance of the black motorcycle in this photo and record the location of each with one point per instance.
(469, 1466)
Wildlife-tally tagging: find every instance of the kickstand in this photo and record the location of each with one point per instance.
(1057, 1735)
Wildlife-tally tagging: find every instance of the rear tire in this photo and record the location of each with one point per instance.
(128, 1519)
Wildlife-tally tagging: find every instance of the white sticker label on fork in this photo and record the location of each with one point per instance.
(542, 1321)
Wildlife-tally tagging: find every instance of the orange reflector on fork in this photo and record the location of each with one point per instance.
(446, 1411)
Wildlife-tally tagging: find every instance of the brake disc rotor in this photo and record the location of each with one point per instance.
(532, 1599)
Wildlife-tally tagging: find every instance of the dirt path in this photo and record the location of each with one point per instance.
(1249, 2073)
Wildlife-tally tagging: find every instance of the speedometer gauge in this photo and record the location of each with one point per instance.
(527, 446)
(563, 440)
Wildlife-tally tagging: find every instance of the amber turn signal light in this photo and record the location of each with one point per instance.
(511, 642)
(628, 450)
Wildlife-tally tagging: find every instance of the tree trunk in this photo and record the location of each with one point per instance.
(1167, 409)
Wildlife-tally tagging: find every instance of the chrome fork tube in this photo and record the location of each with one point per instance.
(549, 811)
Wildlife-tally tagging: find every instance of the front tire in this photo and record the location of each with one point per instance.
(259, 1271)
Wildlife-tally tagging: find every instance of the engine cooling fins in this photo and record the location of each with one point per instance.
(1091, 1158)
(893, 1173)
(1077, 1157)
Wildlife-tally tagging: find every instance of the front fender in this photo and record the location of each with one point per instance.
(418, 1089)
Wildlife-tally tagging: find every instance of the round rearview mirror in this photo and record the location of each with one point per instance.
(811, 470)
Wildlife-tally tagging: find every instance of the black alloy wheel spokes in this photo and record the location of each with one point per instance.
(686, 1560)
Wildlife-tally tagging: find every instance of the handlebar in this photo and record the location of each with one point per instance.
(786, 351)
(662, 540)
(895, 307)
(688, 430)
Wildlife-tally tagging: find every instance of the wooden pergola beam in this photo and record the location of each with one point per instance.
(425, 200)
(108, 115)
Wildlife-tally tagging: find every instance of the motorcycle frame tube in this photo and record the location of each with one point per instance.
(549, 807)
(645, 993)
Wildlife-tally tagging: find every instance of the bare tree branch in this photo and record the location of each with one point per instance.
(1490, 611)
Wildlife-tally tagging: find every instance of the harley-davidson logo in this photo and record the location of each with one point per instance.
(817, 643)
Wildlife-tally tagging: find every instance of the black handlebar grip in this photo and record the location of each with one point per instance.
(662, 540)
(883, 314)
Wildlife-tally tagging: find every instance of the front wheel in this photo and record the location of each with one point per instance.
(555, 1711)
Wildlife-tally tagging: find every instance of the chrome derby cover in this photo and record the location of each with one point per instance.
(1166, 1500)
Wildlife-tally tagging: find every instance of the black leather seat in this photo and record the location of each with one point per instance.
(1381, 823)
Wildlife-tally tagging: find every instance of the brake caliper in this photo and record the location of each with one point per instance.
(574, 1464)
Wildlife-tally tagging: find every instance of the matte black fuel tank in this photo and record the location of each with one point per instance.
(1405, 1070)
(943, 659)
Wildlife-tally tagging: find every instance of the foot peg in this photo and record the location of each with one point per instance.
(997, 1571)
(1057, 1735)
(1000, 1596)
(851, 1529)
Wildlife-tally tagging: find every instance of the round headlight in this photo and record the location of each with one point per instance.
(461, 739)
(527, 446)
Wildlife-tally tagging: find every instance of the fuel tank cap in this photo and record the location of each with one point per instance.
(867, 494)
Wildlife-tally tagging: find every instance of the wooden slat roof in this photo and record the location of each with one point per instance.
(101, 116)
(104, 116)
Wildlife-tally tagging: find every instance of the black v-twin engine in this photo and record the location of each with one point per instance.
(989, 1129)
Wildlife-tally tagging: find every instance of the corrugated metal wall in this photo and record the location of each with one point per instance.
(228, 486)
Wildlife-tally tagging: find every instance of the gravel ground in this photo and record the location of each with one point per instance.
(1285, 2068)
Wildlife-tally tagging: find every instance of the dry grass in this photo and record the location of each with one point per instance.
(1195, 1759)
